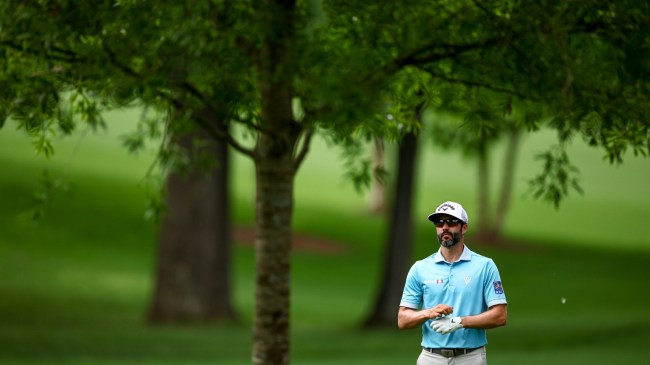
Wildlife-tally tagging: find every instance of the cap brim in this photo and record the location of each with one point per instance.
(432, 217)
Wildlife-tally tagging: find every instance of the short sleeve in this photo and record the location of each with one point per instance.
(493, 291)
(412, 294)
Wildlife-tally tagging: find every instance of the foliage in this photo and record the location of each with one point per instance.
(557, 176)
(582, 63)
(48, 187)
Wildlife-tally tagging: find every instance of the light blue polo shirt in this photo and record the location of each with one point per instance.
(471, 285)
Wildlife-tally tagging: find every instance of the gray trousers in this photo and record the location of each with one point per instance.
(476, 357)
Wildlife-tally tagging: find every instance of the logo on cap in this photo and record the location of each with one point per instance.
(445, 206)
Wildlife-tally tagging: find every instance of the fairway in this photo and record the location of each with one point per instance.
(74, 289)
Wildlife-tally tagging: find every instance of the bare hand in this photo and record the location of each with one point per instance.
(439, 311)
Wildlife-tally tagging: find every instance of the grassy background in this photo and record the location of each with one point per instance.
(74, 289)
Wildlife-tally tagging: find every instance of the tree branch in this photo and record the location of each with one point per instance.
(477, 84)
(209, 128)
(306, 142)
(485, 10)
(124, 68)
(434, 52)
(185, 85)
(71, 56)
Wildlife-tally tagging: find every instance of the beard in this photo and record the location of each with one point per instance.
(455, 238)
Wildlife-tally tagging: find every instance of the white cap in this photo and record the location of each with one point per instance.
(452, 209)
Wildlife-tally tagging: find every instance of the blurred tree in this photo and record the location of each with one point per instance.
(551, 60)
(473, 123)
(507, 182)
(406, 98)
(50, 89)
(399, 242)
(192, 282)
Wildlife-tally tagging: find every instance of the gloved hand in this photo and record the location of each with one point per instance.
(446, 325)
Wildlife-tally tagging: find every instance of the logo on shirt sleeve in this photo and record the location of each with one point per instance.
(498, 287)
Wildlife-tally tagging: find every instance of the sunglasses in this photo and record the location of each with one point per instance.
(450, 222)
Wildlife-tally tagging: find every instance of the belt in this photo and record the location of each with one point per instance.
(449, 352)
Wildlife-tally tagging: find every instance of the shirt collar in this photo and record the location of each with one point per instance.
(465, 256)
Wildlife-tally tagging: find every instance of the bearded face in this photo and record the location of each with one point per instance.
(449, 239)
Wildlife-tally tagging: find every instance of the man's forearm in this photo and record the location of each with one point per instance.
(495, 316)
(411, 318)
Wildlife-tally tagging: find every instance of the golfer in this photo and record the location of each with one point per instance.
(454, 295)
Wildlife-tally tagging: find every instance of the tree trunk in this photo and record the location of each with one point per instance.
(399, 245)
(483, 220)
(271, 329)
(193, 273)
(507, 183)
(377, 203)
(275, 171)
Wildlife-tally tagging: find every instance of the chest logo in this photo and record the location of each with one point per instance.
(439, 281)
(467, 279)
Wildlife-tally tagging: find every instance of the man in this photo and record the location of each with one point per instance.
(454, 295)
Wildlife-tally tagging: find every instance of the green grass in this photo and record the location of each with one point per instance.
(74, 289)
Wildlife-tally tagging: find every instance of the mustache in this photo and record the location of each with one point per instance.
(454, 235)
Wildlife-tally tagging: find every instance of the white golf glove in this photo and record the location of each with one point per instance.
(446, 325)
